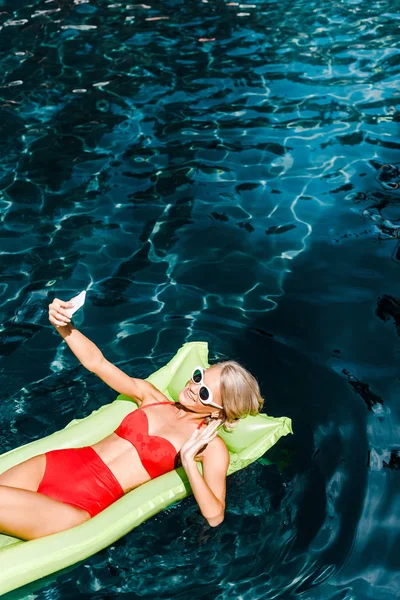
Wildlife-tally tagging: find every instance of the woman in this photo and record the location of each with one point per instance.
(64, 488)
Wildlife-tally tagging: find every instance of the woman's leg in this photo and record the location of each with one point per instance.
(28, 515)
(27, 475)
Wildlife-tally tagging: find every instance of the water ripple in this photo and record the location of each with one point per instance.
(227, 172)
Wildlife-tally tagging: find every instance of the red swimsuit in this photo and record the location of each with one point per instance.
(78, 476)
(157, 455)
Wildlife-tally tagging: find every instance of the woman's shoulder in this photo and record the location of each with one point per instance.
(154, 396)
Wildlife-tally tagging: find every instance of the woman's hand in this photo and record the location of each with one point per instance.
(197, 441)
(209, 488)
(58, 315)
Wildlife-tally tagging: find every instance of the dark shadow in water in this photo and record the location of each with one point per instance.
(389, 308)
(323, 477)
(363, 390)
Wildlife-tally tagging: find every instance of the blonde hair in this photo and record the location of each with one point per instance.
(240, 392)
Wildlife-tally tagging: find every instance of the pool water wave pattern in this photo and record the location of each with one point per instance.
(227, 172)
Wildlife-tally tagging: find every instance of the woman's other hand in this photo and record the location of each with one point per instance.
(208, 488)
(58, 315)
(198, 440)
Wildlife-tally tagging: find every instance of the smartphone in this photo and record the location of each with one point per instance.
(78, 301)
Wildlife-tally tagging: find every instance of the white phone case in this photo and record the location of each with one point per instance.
(78, 301)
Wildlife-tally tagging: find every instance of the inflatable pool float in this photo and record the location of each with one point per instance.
(23, 562)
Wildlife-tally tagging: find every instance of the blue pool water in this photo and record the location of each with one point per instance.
(230, 173)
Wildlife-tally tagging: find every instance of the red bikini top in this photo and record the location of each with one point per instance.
(157, 455)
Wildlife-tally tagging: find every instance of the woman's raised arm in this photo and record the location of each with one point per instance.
(91, 357)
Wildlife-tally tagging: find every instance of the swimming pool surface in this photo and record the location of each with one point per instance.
(230, 173)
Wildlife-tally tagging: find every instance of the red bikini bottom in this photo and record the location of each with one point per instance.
(78, 476)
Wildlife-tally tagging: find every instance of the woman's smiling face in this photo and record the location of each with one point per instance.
(189, 396)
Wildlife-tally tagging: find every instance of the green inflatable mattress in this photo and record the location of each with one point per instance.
(23, 562)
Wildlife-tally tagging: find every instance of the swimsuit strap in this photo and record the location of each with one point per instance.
(156, 404)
